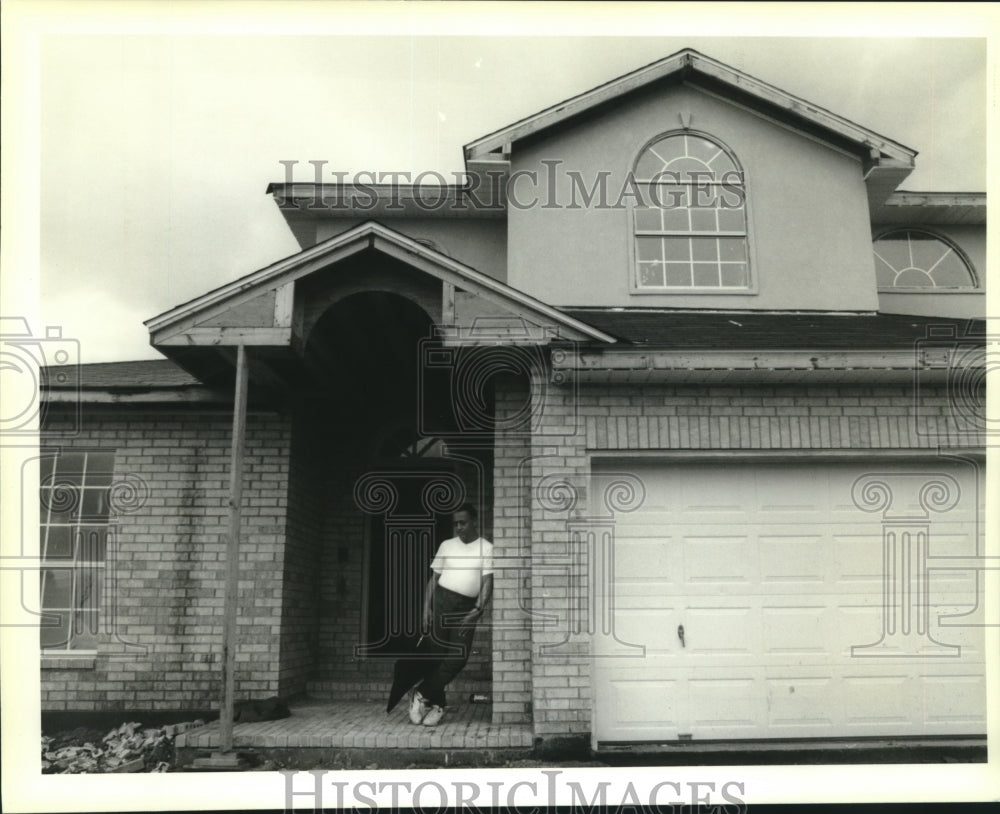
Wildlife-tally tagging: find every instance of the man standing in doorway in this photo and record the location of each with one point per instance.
(461, 584)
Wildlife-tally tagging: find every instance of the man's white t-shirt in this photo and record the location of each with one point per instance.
(463, 565)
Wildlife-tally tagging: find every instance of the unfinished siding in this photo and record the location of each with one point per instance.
(161, 626)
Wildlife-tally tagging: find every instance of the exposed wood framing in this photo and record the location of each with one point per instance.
(447, 304)
(227, 336)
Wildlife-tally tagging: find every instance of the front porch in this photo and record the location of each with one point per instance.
(316, 726)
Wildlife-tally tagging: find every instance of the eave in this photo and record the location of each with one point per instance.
(648, 366)
(690, 65)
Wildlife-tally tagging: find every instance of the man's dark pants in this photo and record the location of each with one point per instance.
(453, 641)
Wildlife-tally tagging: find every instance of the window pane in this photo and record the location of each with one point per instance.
(100, 468)
(46, 466)
(649, 248)
(734, 275)
(88, 588)
(679, 274)
(55, 632)
(56, 587)
(690, 169)
(91, 543)
(703, 220)
(59, 542)
(85, 630)
(650, 275)
(705, 249)
(951, 271)
(732, 249)
(677, 248)
(648, 166)
(732, 220)
(648, 220)
(914, 278)
(668, 196)
(95, 504)
(712, 154)
(71, 464)
(706, 274)
(676, 220)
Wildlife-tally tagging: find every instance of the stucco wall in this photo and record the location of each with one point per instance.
(477, 242)
(809, 232)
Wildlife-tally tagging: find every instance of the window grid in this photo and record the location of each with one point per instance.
(74, 538)
(722, 263)
(915, 259)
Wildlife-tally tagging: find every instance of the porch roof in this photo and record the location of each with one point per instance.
(271, 321)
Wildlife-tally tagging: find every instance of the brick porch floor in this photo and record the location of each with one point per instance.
(364, 725)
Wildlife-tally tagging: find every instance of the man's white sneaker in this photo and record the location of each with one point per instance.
(418, 708)
(433, 718)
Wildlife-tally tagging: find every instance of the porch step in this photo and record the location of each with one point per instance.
(339, 690)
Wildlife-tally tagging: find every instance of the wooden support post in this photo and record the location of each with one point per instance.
(447, 304)
(233, 552)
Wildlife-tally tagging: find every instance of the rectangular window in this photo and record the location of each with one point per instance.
(75, 528)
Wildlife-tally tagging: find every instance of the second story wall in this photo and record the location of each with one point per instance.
(476, 242)
(808, 228)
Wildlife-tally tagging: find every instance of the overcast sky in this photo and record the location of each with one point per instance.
(155, 151)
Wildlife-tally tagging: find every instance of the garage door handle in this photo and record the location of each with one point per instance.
(680, 634)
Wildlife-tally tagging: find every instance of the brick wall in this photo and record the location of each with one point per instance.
(572, 423)
(162, 609)
(512, 556)
(300, 577)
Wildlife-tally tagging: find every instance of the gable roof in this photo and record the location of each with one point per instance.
(370, 234)
(691, 66)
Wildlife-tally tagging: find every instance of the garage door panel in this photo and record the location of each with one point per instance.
(718, 560)
(642, 556)
(870, 702)
(790, 630)
(801, 704)
(942, 697)
(655, 629)
(730, 703)
(719, 630)
(777, 577)
(791, 558)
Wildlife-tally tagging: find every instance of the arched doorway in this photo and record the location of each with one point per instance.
(390, 487)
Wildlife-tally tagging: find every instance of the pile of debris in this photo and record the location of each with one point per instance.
(127, 748)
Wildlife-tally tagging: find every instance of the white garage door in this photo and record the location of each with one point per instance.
(780, 582)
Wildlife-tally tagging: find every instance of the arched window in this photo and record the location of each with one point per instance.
(691, 226)
(908, 259)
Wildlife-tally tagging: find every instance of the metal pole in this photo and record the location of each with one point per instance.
(233, 552)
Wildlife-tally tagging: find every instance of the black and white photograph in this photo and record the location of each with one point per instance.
(497, 405)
